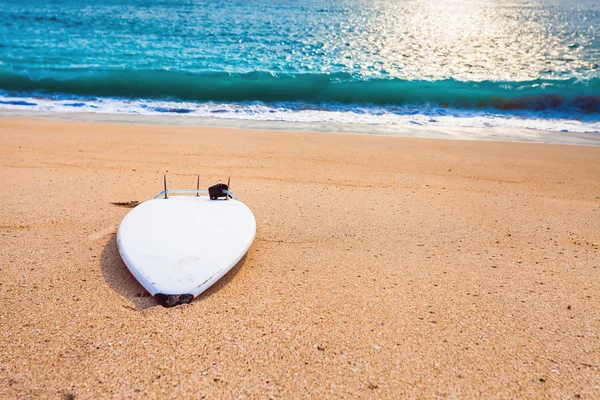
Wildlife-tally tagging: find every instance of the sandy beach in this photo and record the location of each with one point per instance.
(382, 267)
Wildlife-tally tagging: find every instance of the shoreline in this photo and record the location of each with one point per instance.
(382, 266)
(501, 134)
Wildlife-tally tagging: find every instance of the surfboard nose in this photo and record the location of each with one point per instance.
(172, 300)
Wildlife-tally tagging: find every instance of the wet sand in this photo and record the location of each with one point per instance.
(382, 267)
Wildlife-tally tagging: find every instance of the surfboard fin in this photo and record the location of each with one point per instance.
(218, 191)
(198, 186)
(172, 300)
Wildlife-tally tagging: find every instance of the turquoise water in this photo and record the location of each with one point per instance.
(486, 62)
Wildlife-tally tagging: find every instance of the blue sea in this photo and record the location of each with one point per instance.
(449, 63)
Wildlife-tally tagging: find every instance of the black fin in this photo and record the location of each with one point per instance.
(217, 191)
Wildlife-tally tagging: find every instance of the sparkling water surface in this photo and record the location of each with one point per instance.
(526, 60)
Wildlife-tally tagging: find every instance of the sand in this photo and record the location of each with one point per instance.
(382, 267)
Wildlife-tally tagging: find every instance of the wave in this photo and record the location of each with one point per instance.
(310, 89)
(299, 116)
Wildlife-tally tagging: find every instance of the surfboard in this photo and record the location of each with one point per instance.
(177, 247)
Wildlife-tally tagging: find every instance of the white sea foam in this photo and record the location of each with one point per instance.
(383, 117)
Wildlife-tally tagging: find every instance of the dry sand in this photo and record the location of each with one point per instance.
(382, 267)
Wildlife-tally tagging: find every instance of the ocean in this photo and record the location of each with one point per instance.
(446, 63)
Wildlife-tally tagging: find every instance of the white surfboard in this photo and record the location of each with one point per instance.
(177, 247)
